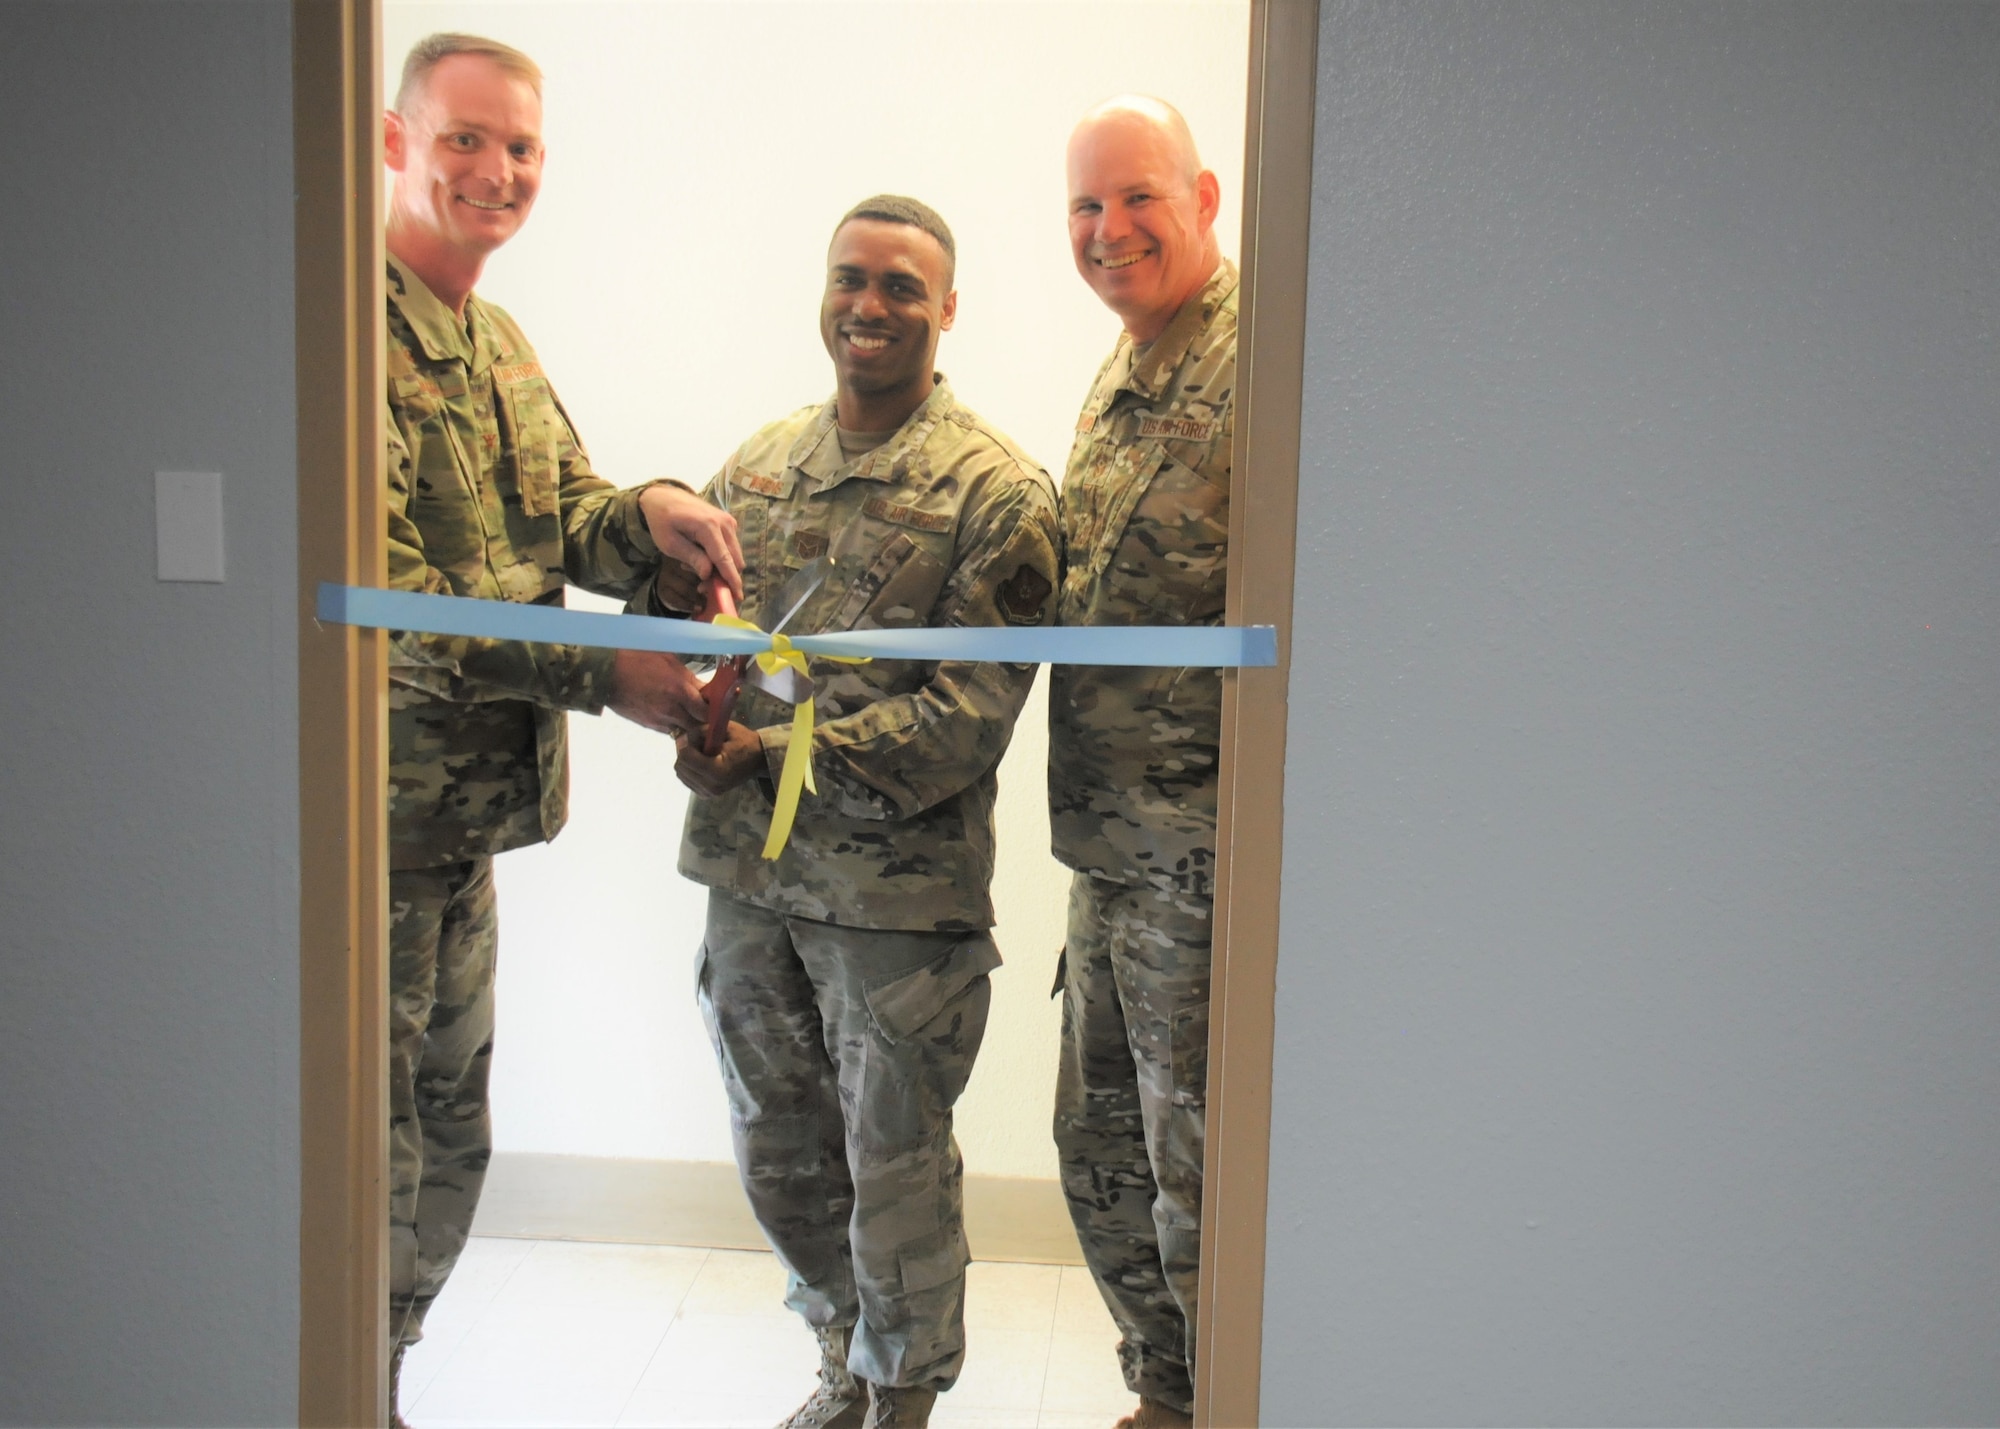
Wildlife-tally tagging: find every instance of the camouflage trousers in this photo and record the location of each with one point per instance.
(843, 1051)
(1131, 1112)
(443, 939)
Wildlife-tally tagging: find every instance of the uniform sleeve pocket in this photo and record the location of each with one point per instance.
(534, 446)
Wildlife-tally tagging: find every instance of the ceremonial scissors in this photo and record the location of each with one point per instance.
(727, 683)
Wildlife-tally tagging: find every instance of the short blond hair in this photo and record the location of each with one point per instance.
(426, 54)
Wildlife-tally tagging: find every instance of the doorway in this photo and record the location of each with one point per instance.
(621, 244)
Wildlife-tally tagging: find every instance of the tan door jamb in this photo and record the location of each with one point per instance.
(1263, 516)
(343, 732)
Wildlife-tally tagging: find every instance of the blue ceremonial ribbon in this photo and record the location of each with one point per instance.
(1164, 645)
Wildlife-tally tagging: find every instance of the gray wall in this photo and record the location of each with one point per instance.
(148, 846)
(1636, 1053)
(1639, 1007)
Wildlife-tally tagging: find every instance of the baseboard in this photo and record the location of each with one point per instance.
(545, 1197)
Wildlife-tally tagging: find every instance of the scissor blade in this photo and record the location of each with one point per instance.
(800, 586)
(787, 684)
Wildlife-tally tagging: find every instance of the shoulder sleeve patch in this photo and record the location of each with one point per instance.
(1022, 596)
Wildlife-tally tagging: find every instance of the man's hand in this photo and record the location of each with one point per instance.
(739, 760)
(679, 588)
(657, 691)
(689, 530)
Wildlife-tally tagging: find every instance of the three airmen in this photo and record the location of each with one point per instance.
(844, 983)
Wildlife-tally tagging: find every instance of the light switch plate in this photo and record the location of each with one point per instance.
(187, 507)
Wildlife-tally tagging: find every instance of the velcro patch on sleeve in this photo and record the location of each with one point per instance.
(517, 372)
(1178, 429)
(882, 510)
(1022, 595)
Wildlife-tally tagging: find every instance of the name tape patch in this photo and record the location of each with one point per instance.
(1180, 429)
(759, 483)
(908, 516)
(518, 372)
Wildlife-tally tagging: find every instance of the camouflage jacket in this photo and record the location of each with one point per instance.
(946, 523)
(1145, 512)
(490, 495)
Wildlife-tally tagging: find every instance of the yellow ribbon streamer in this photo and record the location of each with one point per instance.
(797, 772)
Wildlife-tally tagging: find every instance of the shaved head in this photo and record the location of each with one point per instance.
(1141, 211)
(1167, 121)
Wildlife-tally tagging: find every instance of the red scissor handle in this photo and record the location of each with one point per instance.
(716, 598)
(721, 693)
(727, 681)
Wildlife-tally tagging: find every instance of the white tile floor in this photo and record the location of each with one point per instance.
(575, 1333)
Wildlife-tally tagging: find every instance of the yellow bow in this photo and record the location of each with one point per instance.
(797, 773)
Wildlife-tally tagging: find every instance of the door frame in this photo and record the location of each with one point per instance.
(343, 702)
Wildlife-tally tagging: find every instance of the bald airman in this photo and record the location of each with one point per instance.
(1133, 751)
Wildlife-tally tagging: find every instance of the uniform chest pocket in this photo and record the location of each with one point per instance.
(1171, 553)
(898, 588)
(444, 502)
(529, 411)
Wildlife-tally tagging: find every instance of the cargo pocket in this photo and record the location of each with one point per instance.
(1188, 1032)
(705, 1001)
(935, 1260)
(928, 1025)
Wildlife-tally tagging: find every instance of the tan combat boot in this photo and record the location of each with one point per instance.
(892, 1406)
(841, 1401)
(1152, 1414)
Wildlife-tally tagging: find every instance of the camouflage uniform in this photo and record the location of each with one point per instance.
(843, 1051)
(490, 495)
(1132, 790)
(845, 983)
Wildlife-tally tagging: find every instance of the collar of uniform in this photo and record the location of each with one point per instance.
(1148, 376)
(437, 327)
(817, 453)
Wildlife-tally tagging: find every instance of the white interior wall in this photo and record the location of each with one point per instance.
(1636, 1056)
(699, 154)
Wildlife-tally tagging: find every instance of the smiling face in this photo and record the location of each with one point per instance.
(467, 156)
(1141, 217)
(886, 304)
